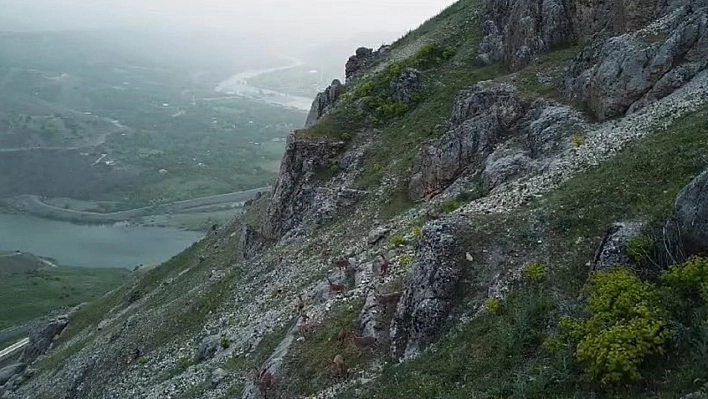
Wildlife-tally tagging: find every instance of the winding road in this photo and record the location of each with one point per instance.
(14, 348)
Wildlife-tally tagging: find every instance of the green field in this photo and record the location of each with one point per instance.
(25, 295)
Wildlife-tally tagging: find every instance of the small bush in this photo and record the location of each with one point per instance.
(390, 109)
(225, 343)
(625, 326)
(535, 272)
(449, 205)
(406, 260)
(578, 140)
(377, 168)
(690, 280)
(142, 361)
(493, 305)
(431, 55)
(365, 89)
(416, 231)
(398, 240)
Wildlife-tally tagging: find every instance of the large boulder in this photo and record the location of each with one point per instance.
(691, 212)
(207, 348)
(428, 291)
(324, 102)
(251, 242)
(359, 62)
(624, 73)
(613, 250)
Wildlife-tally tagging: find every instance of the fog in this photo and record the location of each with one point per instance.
(279, 22)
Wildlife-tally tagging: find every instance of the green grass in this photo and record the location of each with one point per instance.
(33, 294)
(502, 356)
(263, 350)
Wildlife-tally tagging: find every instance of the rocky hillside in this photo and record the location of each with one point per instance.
(508, 202)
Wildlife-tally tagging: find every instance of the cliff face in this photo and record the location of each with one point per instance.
(409, 211)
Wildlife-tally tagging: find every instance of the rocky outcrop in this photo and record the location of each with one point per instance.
(495, 132)
(480, 117)
(359, 62)
(405, 85)
(514, 32)
(624, 73)
(41, 338)
(207, 348)
(10, 371)
(613, 250)
(691, 213)
(324, 102)
(429, 289)
(295, 193)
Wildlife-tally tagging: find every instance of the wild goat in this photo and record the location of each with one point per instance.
(334, 288)
(263, 380)
(342, 264)
(300, 305)
(338, 368)
(362, 342)
(305, 326)
(342, 336)
(383, 265)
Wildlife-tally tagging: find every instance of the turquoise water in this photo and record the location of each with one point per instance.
(92, 246)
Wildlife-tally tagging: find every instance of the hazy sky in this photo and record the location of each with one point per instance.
(298, 17)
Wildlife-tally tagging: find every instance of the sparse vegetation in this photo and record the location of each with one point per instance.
(449, 205)
(398, 240)
(493, 305)
(535, 272)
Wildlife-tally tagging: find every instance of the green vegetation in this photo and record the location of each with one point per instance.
(534, 272)
(406, 260)
(449, 205)
(493, 305)
(225, 343)
(398, 240)
(37, 292)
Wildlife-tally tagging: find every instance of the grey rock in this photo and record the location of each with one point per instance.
(377, 235)
(500, 169)
(428, 290)
(217, 377)
(624, 73)
(405, 85)
(359, 62)
(251, 242)
(10, 371)
(41, 338)
(294, 193)
(480, 117)
(613, 250)
(548, 125)
(207, 348)
(324, 102)
(691, 213)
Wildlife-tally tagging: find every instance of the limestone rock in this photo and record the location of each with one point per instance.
(613, 250)
(624, 73)
(500, 169)
(251, 242)
(428, 290)
(358, 62)
(549, 124)
(10, 371)
(377, 235)
(324, 102)
(41, 338)
(207, 348)
(217, 376)
(691, 212)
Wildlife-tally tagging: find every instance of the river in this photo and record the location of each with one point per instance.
(114, 245)
(237, 85)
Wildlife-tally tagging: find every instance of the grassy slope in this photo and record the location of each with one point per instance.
(27, 295)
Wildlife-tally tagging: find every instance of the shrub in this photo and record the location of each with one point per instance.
(142, 361)
(391, 109)
(417, 231)
(406, 260)
(578, 140)
(430, 55)
(638, 249)
(690, 279)
(225, 343)
(377, 168)
(493, 305)
(535, 272)
(365, 89)
(625, 326)
(398, 240)
(449, 205)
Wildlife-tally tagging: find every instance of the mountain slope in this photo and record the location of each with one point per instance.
(485, 158)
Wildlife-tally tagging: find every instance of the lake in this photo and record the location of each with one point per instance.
(70, 244)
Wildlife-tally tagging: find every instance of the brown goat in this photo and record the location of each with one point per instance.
(338, 368)
(263, 380)
(342, 264)
(334, 288)
(342, 336)
(383, 265)
(305, 326)
(362, 342)
(300, 305)
(388, 299)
